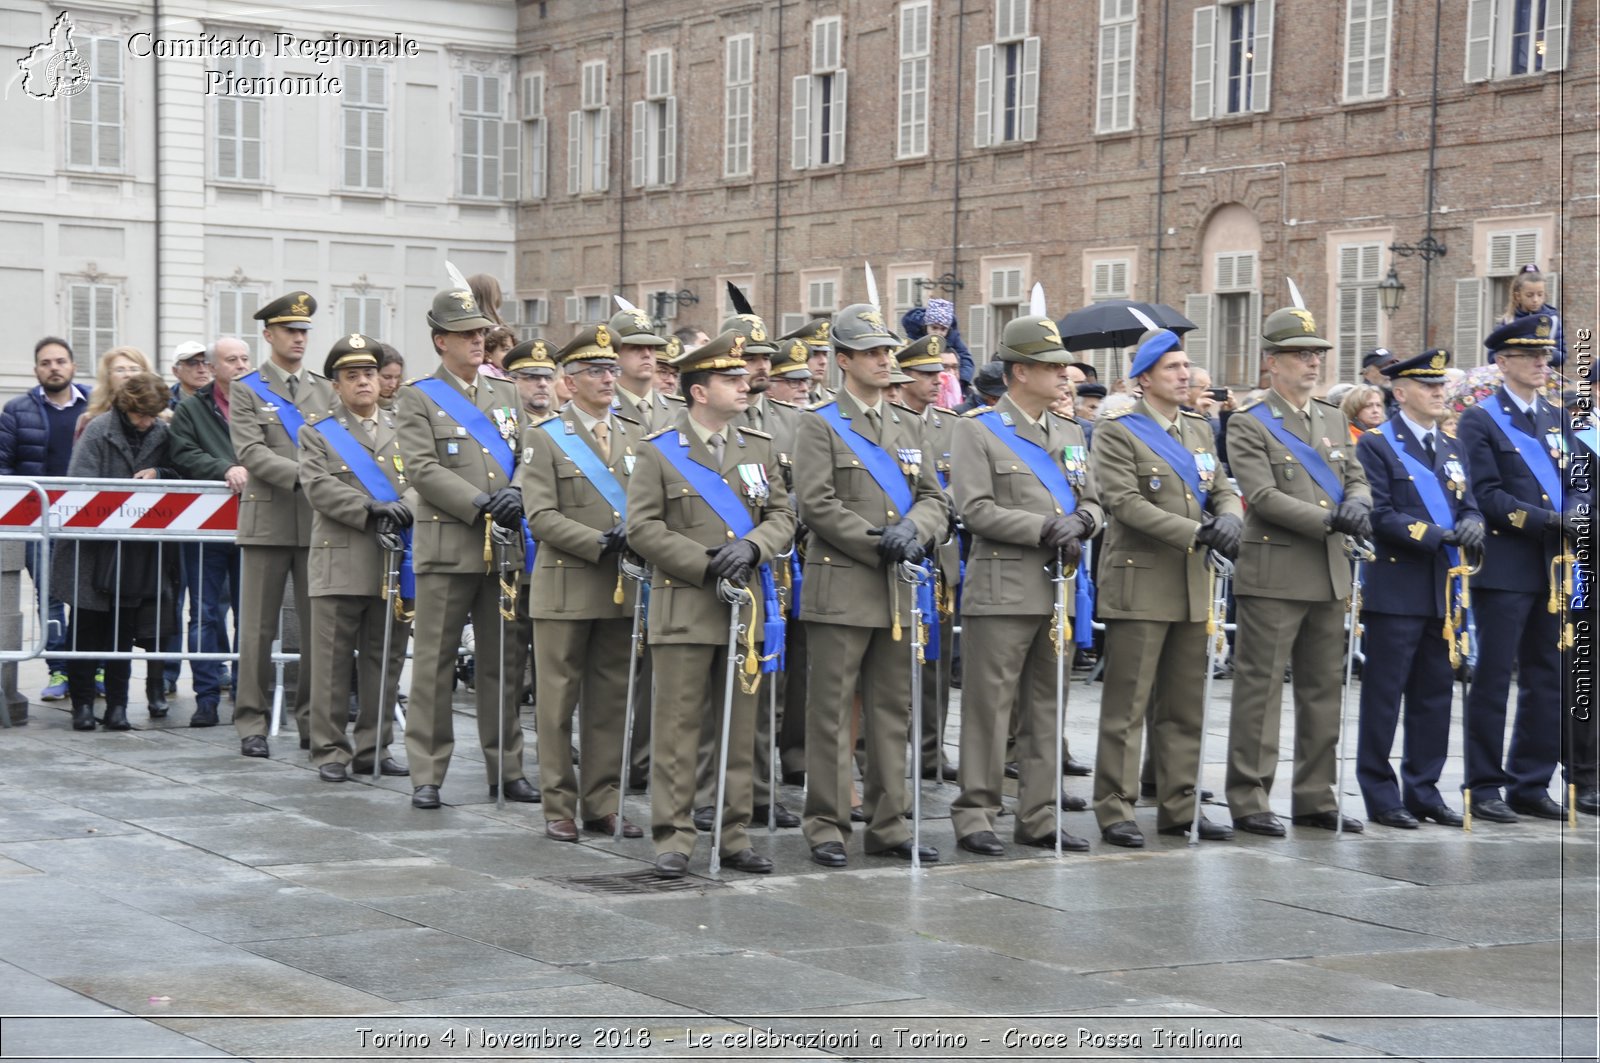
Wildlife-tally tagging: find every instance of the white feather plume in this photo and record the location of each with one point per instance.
(872, 288)
(1143, 318)
(1036, 300)
(456, 276)
(1294, 294)
(623, 304)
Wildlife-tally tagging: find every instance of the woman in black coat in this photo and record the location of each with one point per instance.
(117, 589)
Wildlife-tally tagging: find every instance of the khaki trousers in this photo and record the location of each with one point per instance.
(263, 573)
(582, 668)
(341, 624)
(690, 680)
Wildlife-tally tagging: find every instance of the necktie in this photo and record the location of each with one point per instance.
(1427, 446)
(755, 417)
(602, 438)
(1173, 432)
(371, 425)
(716, 444)
(472, 393)
(872, 419)
(294, 386)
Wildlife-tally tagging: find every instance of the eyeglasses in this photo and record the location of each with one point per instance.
(598, 371)
(1306, 356)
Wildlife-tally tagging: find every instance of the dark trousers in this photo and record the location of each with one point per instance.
(1414, 664)
(1580, 757)
(54, 613)
(211, 579)
(1514, 628)
(98, 629)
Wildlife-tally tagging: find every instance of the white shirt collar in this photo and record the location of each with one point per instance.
(1417, 431)
(1526, 407)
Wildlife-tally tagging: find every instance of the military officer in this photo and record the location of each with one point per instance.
(870, 502)
(1579, 740)
(791, 382)
(637, 348)
(921, 362)
(529, 365)
(1025, 492)
(816, 334)
(1156, 467)
(352, 475)
(1423, 516)
(457, 429)
(573, 477)
(1305, 492)
(706, 503)
(274, 533)
(1515, 448)
(791, 373)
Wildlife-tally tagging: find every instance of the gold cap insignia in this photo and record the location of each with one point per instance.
(822, 331)
(539, 349)
(1440, 359)
(641, 322)
(1052, 331)
(673, 348)
(1307, 322)
(934, 346)
(1543, 331)
(299, 305)
(738, 346)
(874, 318)
(602, 338)
(356, 341)
(466, 300)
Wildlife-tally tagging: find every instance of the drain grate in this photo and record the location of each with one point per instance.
(634, 883)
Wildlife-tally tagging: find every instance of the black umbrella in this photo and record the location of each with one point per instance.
(1109, 324)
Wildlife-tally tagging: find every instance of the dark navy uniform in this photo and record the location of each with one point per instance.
(1404, 604)
(1579, 754)
(1510, 596)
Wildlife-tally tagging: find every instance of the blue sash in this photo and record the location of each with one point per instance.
(478, 425)
(725, 504)
(1304, 452)
(1543, 469)
(1083, 599)
(371, 476)
(588, 463)
(293, 420)
(1427, 484)
(1168, 449)
(1035, 457)
(883, 469)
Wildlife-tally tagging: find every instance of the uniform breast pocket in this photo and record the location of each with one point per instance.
(851, 482)
(1263, 563)
(685, 510)
(570, 482)
(1133, 569)
(1155, 478)
(452, 449)
(997, 569)
(827, 575)
(1289, 475)
(274, 433)
(336, 536)
(1008, 482)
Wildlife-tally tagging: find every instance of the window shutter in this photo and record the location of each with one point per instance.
(1524, 249)
(1555, 35)
(669, 164)
(489, 182)
(641, 141)
(1552, 289)
(574, 309)
(574, 152)
(1202, 82)
(1197, 308)
(836, 128)
(1029, 105)
(801, 143)
(539, 150)
(603, 152)
(1469, 322)
(1252, 334)
(1355, 49)
(977, 336)
(1261, 68)
(983, 98)
(228, 139)
(1480, 39)
(510, 161)
(789, 322)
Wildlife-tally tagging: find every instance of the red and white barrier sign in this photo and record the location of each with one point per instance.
(89, 509)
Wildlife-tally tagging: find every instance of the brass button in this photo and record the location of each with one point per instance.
(890, 512)
(826, 559)
(1266, 538)
(731, 535)
(1323, 503)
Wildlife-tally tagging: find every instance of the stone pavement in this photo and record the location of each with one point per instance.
(167, 898)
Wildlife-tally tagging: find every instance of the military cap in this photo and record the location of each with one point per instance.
(634, 327)
(754, 331)
(1292, 329)
(1091, 391)
(990, 380)
(351, 351)
(1153, 346)
(723, 354)
(790, 361)
(1033, 339)
(860, 327)
(897, 375)
(1427, 367)
(457, 311)
(1531, 332)
(593, 343)
(923, 355)
(816, 334)
(292, 311)
(1377, 356)
(530, 356)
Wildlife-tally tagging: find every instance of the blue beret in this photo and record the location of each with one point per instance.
(1151, 350)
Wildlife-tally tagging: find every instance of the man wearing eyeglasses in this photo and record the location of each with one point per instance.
(1305, 491)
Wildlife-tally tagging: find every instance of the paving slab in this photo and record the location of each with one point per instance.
(272, 837)
(759, 920)
(1541, 978)
(1484, 913)
(758, 981)
(373, 880)
(257, 912)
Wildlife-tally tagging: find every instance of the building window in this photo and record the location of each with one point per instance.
(1119, 26)
(589, 134)
(489, 145)
(535, 137)
(235, 314)
(92, 317)
(533, 315)
(1366, 49)
(1108, 279)
(1515, 38)
(819, 100)
(1006, 96)
(1226, 321)
(365, 112)
(738, 80)
(909, 282)
(237, 134)
(655, 125)
(94, 116)
(916, 52)
(588, 306)
(745, 282)
(1232, 71)
(1482, 301)
(985, 322)
(362, 311)
(819, 293)
(1359, 320)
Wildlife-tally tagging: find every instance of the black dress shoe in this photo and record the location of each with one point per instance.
(705, 818)
(1125, 833)
(334, 772)
(305, 739)
(1329, 820)
(927, 854)
(254, 746)
(1264, 823)
(1073, 766)
(1209, 831)
(1441, 814)
(828, 854)
(1073, 803)
(204, 716)
(1589, 802)
(857, 814)
(748, 861)
(1495, 811)
(425, 797)
(1397, 817)
(982, 842)
(781, 816)
(117, 719)
(386, 766)
(1069, 842)
(943, 773)
(561, 830)
(1540, 807)
(518, 790)
(83, 717)
(1012, 770)
(793, 778)
(638, 782)
(671, 865)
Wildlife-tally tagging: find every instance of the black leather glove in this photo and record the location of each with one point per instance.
(733, 562)
(1353, 517)
(396, 513)
(505, 507)
(899, 542)
(1057, 532)
(1470, 534)
(1071, 552)
(612, 540)
(1573, 527)
(1222, 534)
(1081, 524)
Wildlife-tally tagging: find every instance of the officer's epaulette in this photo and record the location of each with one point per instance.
(661, 432)
(902, 406)
(1325, 402)
(820, 405)
(679, 399)
(977, 410)
(781, 402)
(754, 432)
(418, 379)
(1247, 403)
(946, 409)
(619, 415)
(1114, 414)
(1196, 415)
